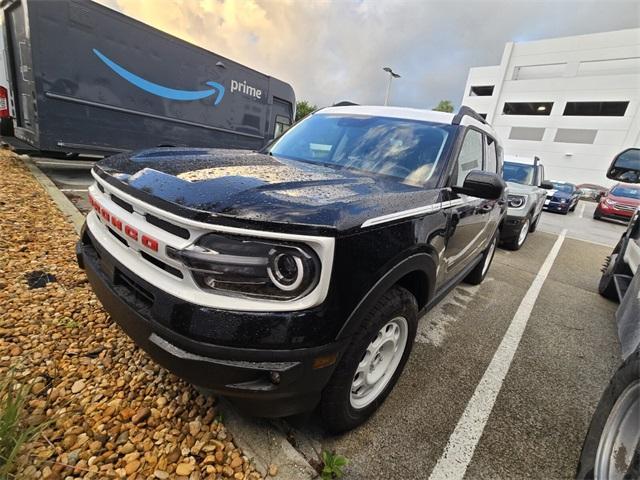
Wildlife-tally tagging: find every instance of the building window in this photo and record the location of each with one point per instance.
(531, 72)
(616, 66)
(527, 108)
(596, 109)
(526, 133)
(481, 91)
(575, 135)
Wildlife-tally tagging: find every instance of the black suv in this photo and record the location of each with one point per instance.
(295, 276)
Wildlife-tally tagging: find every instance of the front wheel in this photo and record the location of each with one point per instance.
(373, 362)
(614, 265)
(476, 276)
(517, 242)
(611, 448)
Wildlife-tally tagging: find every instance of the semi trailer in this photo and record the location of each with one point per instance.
(83, 78)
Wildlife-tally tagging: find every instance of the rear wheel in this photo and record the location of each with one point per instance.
(596, 214)
(611, 448)
(476, 276)
(373, 362)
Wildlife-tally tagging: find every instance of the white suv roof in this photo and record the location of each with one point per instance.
(406, 113)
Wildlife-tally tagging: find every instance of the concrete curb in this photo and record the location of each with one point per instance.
(260, 440)
(63, 203)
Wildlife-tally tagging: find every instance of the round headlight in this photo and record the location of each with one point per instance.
(286, 270)
(516, 201)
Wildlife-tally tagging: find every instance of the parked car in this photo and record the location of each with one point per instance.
(562, 198)
(526, 197)
(619, 203)
(611, 448)
(591, 191)
(296, 276)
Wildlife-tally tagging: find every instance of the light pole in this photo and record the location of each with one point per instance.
(392, 75)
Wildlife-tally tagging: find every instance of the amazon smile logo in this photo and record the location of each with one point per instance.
(160, 90)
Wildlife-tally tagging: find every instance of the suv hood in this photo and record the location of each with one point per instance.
(558, 194)
(623, 200)
(223, 186)
(520, 188)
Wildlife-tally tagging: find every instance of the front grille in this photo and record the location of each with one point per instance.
(139, 292)
(160, 264)
(167, 226)
(121, 203)
(622, 206)
(118, 236)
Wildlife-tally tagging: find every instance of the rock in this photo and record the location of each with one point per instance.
(161, 474)
(236, 462)
(141, 415)
(127, 448)
(227, 471)
(208, 460)
(194, 427)
(184, 469)
(273, 470)
(174, 456)
(132, 467)
(130, 457)
(77, 386)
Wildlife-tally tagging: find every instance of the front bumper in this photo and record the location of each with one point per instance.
(557, 206)
(609, 212)
(265, 382)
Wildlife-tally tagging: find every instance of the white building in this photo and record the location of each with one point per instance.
(572, 101)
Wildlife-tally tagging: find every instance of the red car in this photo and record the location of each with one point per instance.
(619, 202)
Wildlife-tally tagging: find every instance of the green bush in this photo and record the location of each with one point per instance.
(13, 433)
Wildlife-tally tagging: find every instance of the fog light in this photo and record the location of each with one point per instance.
(274, 377)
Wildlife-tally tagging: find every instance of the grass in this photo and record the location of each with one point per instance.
(13, 432)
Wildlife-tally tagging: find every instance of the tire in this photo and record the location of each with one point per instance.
(573, 209)
(476, 276)
(602, 456)
(596, 214)
(344, 407)
(517, 242)
(534, 224)
(614, 265)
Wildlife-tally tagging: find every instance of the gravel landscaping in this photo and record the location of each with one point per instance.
(113, 412)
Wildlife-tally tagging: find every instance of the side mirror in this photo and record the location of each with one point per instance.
(626, 166)
(482, 185)
(546, 185)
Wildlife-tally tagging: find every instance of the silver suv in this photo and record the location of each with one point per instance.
(527, 192)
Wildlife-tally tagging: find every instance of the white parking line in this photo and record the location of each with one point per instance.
(458, 453)
(581, 215)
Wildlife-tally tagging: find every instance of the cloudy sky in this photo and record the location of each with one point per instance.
(335, 50)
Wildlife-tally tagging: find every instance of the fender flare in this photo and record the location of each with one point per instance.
(417, 262)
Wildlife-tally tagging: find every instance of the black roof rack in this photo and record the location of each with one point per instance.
(344, 103)
(469, 112)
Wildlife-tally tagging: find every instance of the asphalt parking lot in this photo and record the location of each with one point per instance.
(504, 377)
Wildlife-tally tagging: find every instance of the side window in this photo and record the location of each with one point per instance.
(282, 125)
(491, 156)
(470, 156)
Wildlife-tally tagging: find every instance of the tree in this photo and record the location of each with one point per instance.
(444, 106)
(304, 108)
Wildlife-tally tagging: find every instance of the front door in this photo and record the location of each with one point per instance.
(468, 217)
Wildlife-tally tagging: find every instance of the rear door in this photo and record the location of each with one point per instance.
(21, 72)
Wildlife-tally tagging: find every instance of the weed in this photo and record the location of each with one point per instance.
(333, 465)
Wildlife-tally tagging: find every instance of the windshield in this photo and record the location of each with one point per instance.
(629, 192)
(406, 149)
(564, 187)
(518, 173)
